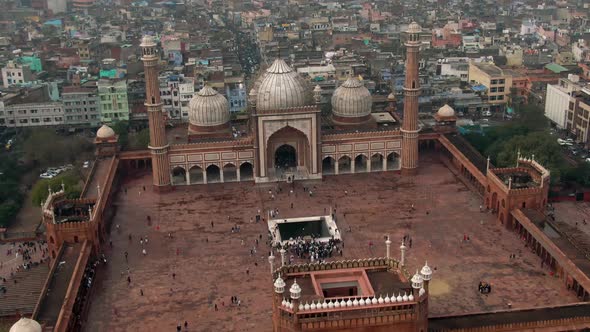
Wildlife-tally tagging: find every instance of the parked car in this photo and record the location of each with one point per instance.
(86, 164)
(48, 175)
(486, 113)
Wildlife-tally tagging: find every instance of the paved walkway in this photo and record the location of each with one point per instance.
(203, 263)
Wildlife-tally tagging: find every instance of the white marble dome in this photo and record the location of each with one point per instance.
(105, 132)
(147, 41)
(26, 325)
(414, 28)
(281, 87)
(208, 108)
(446, 111)
(352, 99)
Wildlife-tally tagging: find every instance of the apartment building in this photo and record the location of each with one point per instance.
(113, 100)
(495, 80)
(558, 99)
(81, 106)
(15, 73)
(32, 114)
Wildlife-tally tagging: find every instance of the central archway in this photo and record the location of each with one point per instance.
(285, 157)
(288, 150)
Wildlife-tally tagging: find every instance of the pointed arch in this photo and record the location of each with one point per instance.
(360, 163)
(196, 175)
(328, 166)
(178, 175)
(213, 173)
(230, 172)
(344, 164)
(376, 162)
(246, 171)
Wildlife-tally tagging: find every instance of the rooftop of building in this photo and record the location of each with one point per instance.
(490, 69)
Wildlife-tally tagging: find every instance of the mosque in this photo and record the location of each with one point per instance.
(286, 136)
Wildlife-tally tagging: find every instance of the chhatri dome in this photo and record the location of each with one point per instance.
(26, 325)
(208, 108)
(105, 132)
(281, 87)
(352, 99)
(446, 111)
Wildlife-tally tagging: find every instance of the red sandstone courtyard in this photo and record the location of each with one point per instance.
(210, 263)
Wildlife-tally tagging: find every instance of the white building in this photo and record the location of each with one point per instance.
(32, 114)
(16, 74)
(581, 51)
(558, 99)
(175, 92)
(527, 27)
(456, 67)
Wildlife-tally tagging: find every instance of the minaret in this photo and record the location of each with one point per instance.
(158, 142)
(411, 93)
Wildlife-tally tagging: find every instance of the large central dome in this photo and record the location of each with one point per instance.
(281, 87)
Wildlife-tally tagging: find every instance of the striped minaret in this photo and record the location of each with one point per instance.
(158, 143)
(411, 92)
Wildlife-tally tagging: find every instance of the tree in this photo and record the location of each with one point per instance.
(121, 128)
(44, 147)
(70, 181)
(140, 140)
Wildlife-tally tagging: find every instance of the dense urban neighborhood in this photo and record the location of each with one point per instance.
(200, 165)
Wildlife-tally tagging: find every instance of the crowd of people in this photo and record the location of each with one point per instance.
(312, 249)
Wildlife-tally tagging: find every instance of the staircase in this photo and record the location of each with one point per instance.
(22, 297)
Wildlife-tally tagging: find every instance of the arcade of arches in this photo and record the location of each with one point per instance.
(212, 174)
(361, 163)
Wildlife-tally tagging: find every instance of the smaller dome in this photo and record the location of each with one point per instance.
(208, 108)
(295, 290)
(391, 97)
(279, 285)
(414, 28)
(417, 280)
(105, 132)
(147, 41)
(26, 325)
(426, 272)
(352, 99)
(446, 111)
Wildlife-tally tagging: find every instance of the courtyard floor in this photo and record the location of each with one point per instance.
(210, 263)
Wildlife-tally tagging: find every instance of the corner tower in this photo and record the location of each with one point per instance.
(411, 92)
(158, 142)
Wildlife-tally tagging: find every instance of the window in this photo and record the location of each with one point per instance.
(502, 81)
(492, 97)
(493, 89)
(24, 121)
(500, 97)
(501, 89)
(35, 120)
(494, 82)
